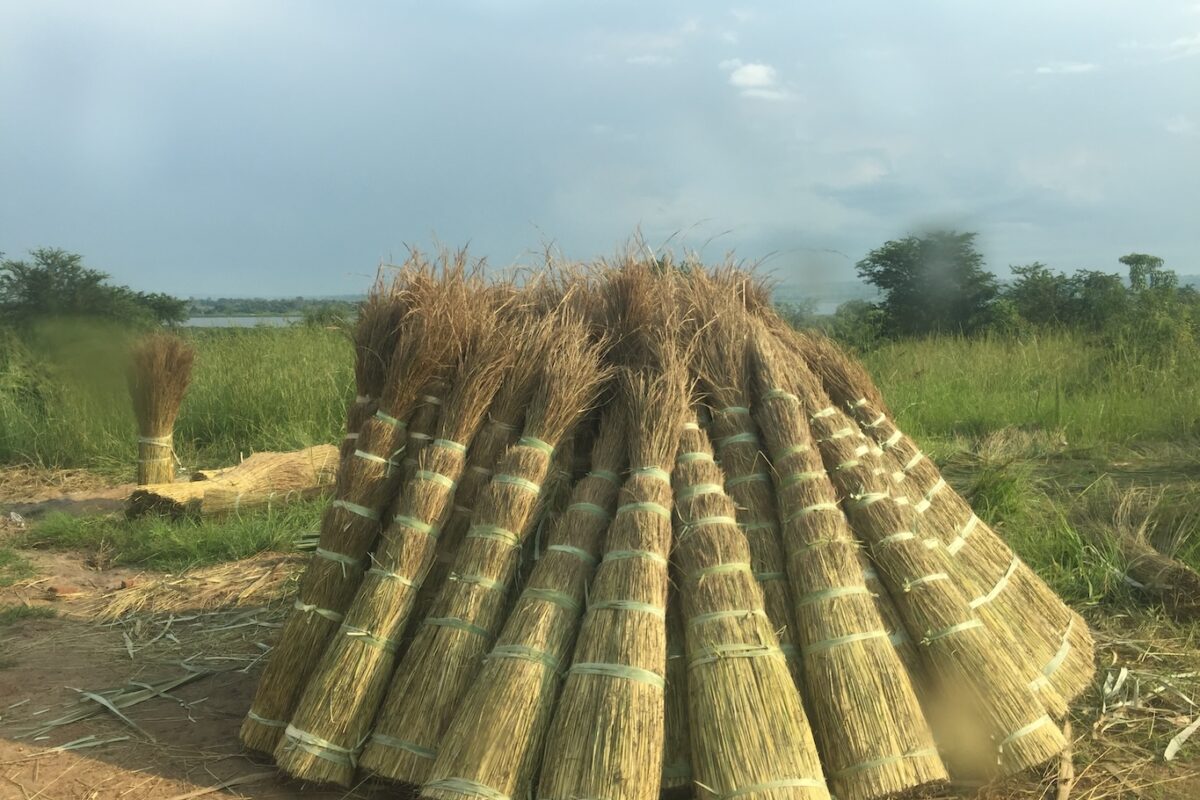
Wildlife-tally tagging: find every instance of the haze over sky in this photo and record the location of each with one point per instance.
(251, 147)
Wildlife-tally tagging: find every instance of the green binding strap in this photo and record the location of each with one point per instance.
(525, 654)
(628, 605)
(649, 555)
(779, 394)
(589, 508)
(435, 477)
(876, 763)
(297, 739)
(520, 483)
(953, 629)
(651, 472)
(355, 508)
(449, 444)
(652, 508)
(536, 444)
(368, 638)
(717, 652)
(578, 552)
(457, 624)
(494, 532)
(400, 744)
(621, 671)
(838, 641)
(395, 423)
(560, 599)
(605, 474)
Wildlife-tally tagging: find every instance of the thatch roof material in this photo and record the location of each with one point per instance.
(499, 660)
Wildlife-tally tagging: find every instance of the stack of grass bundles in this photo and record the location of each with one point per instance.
(722, 357)
(997, 580)
(350, 525)
(904, 611)
(997, 720)
(374, 338)
(869, 725)
(445, 653)
(750, 737)
(159, 374)
(606, 739)
(334, 714)
(495, 741)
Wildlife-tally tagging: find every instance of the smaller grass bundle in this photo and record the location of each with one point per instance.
(996, 717)
(750, 736)
(1001, 586)
(677, 742)
(334, 715)
(374, 338)
(495, 741)
(367, 485)
(607, 736)
(445, 653)
(159, 374)
(866, 713)
(505, 418)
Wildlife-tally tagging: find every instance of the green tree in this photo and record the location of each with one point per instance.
(1039, 296)
(931, 283)
(1145, 271)
(55, 283)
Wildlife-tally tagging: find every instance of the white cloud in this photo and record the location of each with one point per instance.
(753, 76)
(1066, 68)
(755, 80)
(650, 60)
(1180, 125)
(1184, 46)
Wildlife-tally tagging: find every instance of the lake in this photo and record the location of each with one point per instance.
(239, 322)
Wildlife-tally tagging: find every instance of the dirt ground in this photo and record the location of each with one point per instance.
(191, 647)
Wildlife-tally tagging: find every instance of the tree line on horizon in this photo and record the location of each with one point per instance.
(937, 283)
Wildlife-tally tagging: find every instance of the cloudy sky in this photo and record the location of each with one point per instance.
(259, 147)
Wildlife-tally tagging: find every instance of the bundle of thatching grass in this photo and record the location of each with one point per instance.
(262, 479)
(546, 460)
(159, 373)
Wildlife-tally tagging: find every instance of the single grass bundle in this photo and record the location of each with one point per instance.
(677, 776)
(723, 365)
(422, 425)
(446, 651)
(606, 739)
(749, 733)
(334, 715)
(495, 741)
(1001, 586)
(367, 484)
(868, 721)
(504, 422)
(998, 723)
(159, 373)
(374, 338)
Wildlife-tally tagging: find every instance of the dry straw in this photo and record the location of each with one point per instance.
(606, 739)
(263, 479)
(367, 483)
(677, 744)
(335, 712)
(872, 733)
(750, 736)
(159, 373)
(505, 419)
(1002, 588)
(986, 714)
(493, 746)
(374, 338)
(723, 366)
(446, 651)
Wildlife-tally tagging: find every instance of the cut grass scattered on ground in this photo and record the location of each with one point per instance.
(18, 613)
(13, 567)
(154, 543)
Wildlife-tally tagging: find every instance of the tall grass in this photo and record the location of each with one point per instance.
(952, 386)
(63, 401)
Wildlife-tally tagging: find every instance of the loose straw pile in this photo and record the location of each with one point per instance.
(618, 532)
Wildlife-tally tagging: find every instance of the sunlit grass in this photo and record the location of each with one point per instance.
(156, 543)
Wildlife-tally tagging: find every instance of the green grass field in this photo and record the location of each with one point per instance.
(1050, 439)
